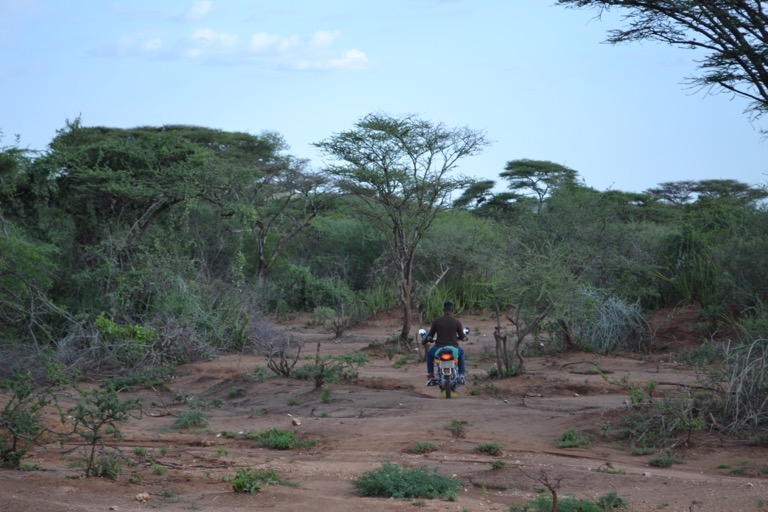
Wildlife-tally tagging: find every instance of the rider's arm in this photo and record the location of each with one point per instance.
(460, 332)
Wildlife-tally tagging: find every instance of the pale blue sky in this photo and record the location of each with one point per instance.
(534, 76)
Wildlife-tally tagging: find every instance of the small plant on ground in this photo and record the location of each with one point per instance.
(190, 419)
(423, 447)
(498, 464)
(664, 460)
(248, 480)
(457, 427)
(107, 465)
(95, 415)
(572, 438)
(488, 449)
(607, 503)
(21, 416)
(325, 395)
(393, 481)
(278, 439)
(331, 369)
(236, 391)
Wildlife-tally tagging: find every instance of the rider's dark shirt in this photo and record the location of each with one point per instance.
(446, 330)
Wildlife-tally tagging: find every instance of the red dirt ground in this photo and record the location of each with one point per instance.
(381, 416)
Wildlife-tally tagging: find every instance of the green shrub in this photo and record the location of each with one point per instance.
(423, 447)
(572, 438)
(247, 480)
(488, 449)
(190, 419)
(457, 427)
(277, 439)
(609, 502)
(394, 481)
(108, 465)
(664, 460)
(96, 415)
(322, 315)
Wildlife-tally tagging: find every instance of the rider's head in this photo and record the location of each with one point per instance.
(448, 307)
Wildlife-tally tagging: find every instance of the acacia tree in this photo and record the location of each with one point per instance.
(732, 33)
(537, 178)
(401, 166)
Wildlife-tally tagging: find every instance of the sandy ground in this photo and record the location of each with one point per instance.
(379, 418)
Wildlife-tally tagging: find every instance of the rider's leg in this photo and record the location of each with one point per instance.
(431, 361)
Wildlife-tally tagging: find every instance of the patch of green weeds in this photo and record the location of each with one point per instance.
(573, 438)
(457, 427)
(248, 480)
(189, 420)
(608, 502)
(278, 439)
(394, 481)
(409, 358)
(423, 447)
(498, 464)
(236, 391)
(665, 459)
(488, 449)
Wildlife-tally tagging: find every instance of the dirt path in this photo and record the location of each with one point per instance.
(379, 418)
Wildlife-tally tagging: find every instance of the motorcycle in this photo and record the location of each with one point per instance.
(446, 365)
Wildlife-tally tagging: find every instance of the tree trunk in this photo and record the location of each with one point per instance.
(405, 255)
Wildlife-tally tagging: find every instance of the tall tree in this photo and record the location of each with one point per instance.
(732, 33)
(401, 165)
(280, 204)
(537, 178)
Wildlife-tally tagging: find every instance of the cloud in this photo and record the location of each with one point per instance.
(349, 60)
(314, 52)
(198, 10)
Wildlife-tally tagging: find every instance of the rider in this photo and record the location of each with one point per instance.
(445, 330)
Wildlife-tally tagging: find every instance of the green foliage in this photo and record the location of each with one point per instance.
(657, 423)
(107, 465)
(322, 315)
(457, 427)
(300, 290)
(746, 377)
(606, 503)
(603, 323)
(423, 447)
(278, 439)
(96, 414)
(144, 379)
(248, 480)
(488, 449)
(189, 420)
(573, 438)
(331, 369)
(664, 460)
(394, 481)
(21, 417)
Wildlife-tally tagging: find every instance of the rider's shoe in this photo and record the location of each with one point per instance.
(462, 380)
(432, 381)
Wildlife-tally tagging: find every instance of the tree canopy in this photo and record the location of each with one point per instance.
(732, 34)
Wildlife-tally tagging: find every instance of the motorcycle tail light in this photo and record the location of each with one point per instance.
(446, 357)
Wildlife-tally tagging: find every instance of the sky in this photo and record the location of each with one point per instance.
(535, 77)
